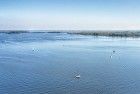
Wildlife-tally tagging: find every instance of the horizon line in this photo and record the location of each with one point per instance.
(69, 30)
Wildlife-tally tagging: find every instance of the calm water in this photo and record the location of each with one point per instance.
(47, 63)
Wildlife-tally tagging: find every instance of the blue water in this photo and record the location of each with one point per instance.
(47, 63)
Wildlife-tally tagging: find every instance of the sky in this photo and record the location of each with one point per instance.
(70, 14)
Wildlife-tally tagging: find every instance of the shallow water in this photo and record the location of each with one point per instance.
(47, 63)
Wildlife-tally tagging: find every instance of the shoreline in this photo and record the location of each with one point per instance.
(122, 34)
(134, 34)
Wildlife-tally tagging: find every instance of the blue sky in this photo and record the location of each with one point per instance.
(70, 14)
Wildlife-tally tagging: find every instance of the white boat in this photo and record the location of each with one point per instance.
(78, 76)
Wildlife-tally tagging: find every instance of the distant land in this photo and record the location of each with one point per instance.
(109, 33)
(13, 31)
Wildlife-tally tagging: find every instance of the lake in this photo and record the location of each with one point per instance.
(47, 63)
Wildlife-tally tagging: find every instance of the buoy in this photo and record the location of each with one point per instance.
(114, 51)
